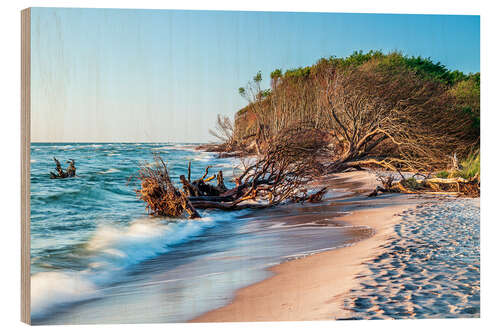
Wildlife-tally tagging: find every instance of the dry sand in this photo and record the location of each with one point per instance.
(315, 287)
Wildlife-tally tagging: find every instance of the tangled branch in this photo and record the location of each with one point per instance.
(280, 175)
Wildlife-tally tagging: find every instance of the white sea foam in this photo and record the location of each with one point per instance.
(112, 170)
(112, 250)
(177, 147)
(162, 148)
(309, 253)
(65, 147)
(56, 288)
(118, 247)
(203, 157)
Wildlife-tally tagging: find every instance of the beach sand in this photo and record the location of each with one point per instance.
(429, 269)
(314, 287)
(421, 262)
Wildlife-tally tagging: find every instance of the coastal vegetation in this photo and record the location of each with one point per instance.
(376, 110)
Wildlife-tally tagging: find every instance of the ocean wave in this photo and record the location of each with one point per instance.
(185, 147)
(162, 148)
(61, 147)
(115, 246)
(91, 146)
(179, 147)
(111, 250)
(49, 289)
(111, 170)
(81, 193)
(204, 157)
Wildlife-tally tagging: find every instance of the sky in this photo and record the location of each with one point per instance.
(110, 75)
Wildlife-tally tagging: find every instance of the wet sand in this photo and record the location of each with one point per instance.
(336, 284)
(315, 287)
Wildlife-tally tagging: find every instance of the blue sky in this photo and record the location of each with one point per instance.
(103, 75)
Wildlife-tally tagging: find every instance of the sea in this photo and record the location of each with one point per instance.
(98, 257)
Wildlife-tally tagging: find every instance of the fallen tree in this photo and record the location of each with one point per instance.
(280, 175)
(161, 196)
(453, 186)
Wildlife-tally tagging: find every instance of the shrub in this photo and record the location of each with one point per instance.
(411, 183)
(443, 174)
(471, 166)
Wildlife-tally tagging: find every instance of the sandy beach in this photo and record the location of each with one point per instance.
(320, 286)
(430, 268)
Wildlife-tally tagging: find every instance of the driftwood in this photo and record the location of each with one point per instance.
(70, 171)
(161, 196)
(272, 179)
(451, 186)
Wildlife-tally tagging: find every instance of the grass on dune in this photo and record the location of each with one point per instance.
(469, 168)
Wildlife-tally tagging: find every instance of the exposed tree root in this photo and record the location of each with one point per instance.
(274, 178)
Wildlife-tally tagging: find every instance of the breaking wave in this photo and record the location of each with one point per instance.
(111, 250)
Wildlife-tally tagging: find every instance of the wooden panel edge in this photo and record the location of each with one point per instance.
(25, 165)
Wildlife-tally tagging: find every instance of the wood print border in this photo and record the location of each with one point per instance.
(25, 164)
